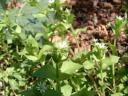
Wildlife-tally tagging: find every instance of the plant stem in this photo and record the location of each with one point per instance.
(102, 80)
(113, 70)
(115, 51)
(78, 46)
(113, 77)
(77, 41)
(92, 79)
(58, 81)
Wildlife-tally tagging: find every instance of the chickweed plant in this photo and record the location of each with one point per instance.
(32, 65)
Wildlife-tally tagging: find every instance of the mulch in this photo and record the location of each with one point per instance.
(95, 15)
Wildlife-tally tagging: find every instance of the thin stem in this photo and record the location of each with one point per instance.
(92, 79)
(57, 74)
(77, 43)
(102, 80)
(113, 70)
(113, 77)
(17, 49)
(115, 51)
(72, 84)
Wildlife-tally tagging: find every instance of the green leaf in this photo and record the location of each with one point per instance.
(32, 45)
(18, 29)
(70, 67)
(1, 74)
(110, 61)
(13, 84)
(66, 90)
(46, 49)
(113, 48)
(28, 92)
(88, 65)
(30, 57)
(47, 71)
(117, 94)
(119, 25)
(6, 79)
(126, 90)
(84, 92)
(17, 76)
(9, 40)
(77, 31)
(39, 35)
(102, 75)
(22, 83)
(52, 93)
(32, 42)
(44, 3)
(124, 58)
(9, 71)
(2, 26)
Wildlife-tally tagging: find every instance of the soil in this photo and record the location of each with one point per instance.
(95, 15)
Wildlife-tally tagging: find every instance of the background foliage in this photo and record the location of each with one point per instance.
(32, 64)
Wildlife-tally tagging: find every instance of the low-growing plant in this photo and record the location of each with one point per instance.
(33, 64)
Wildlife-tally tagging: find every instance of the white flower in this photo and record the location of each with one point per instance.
(62, 44)
(119, 18)
(95, 40)
(100, 45)
(41, 87)
(51, 1)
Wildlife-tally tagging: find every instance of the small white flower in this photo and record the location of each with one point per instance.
(51, 1)
(41, 87)
(62, 44)
(119, 18)
(95, 40)
(100, 45)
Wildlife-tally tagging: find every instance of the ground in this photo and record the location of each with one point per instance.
(96, 15)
